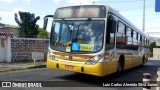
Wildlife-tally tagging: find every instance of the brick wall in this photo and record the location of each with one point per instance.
(22, 48)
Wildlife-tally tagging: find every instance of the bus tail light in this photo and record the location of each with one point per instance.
(94, 59)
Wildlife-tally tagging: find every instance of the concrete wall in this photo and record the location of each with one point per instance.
(8, 49)
(156, 53)
(22, 48)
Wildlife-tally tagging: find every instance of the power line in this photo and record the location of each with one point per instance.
(139, 6)
(120, 1)
(152, 28)
(118, 10)
(135, 8)
(14, 11)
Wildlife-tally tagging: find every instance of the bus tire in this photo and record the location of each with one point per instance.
(120, 66)
(143, 59)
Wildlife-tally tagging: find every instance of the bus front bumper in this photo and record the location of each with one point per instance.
(76, 67)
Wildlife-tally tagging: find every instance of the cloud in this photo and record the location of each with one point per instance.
(10, 14)
(28, 1)
(15, 10)
(152, 26)
(75, 2)
(57, 1)
(6, 1)
(124, 13)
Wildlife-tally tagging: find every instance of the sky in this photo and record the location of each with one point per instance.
(131, 9)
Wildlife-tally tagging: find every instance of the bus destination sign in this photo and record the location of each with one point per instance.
(81, 12)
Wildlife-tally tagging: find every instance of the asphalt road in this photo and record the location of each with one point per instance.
(92, 82)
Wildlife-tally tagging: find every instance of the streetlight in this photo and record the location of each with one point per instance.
(143, 27)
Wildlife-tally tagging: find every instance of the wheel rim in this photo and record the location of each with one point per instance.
(119, 69)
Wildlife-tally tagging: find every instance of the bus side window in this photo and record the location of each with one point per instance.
(138, 39)
(135, 44)
(143, 41)
(120, 37)
(129, 36)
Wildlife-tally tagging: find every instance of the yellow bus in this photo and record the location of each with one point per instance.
(95, 40)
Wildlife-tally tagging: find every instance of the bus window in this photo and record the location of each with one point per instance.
(132, 33)
(134, 38)
(110, 36)
(138, 38)
(129, 38)
(135, 41)
(111, 28)
(68, 32)
(120, 37)
(143, 41)
(146, 42)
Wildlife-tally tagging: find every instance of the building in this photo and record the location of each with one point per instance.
(5, 45)
(156, 53)
(15, 30)
(2, 25)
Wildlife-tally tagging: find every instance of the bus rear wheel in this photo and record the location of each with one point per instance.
(119, 69)
(143, 59)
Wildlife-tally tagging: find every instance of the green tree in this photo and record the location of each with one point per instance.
(27, 24)
(42, 34)
(151, 46)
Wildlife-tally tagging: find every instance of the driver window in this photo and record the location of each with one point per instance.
(110, 36)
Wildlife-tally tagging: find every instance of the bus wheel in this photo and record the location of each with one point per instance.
(119, 68)
(142, 63)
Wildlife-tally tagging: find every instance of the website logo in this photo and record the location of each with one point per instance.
(6, 84)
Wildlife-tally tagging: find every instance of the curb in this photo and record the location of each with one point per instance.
(37, 66)
(23, 68)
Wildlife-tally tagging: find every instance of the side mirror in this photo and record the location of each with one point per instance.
(45, 23)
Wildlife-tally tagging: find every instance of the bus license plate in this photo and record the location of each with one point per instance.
(69, 67)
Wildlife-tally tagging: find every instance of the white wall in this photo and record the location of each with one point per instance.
(2, 50)
(8, 49)
(156, 53)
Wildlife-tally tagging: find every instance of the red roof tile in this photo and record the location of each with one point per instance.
(6, 31)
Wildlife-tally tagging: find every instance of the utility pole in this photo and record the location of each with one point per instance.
(143, 27)
(0, 18)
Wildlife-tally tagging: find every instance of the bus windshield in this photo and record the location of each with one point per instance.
(77, 36)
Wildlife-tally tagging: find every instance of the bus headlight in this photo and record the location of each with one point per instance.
(94, 59)
(52, 56)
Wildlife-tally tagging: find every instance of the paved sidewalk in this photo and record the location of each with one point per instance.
(6, 67)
